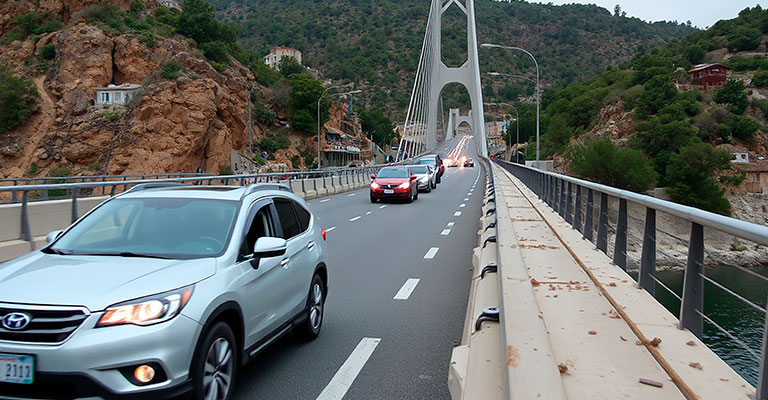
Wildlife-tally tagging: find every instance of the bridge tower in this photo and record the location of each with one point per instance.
(421, 125)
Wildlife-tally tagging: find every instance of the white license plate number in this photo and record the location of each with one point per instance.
(17, 369)
(388, 191)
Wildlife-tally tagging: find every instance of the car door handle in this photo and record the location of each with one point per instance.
(311, 245)
(285, 262)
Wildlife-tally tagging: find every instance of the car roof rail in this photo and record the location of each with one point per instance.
(264, 186)
(154, 185)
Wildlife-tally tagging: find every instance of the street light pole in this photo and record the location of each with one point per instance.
(538, 87)
(318, 117)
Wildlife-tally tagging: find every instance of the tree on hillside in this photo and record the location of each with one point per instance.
(17, 96)
(289, 66)
(305, 91)
(198, 22)
(557, 135)
(732, 94)
(695, 54)
(378, 124)
(601, 161)
(658, 92)
(744, 38)
(693, 177)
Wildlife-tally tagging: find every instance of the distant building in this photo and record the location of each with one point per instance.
(708, 75)
(116, 94)
(740, 158)
(171, 4)
(277, 53)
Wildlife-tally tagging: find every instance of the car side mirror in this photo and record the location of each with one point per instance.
(265, 247)
(373, 176)
(50, 237)
(413, 177)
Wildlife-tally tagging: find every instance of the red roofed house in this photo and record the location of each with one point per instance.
(277, 53)
(707, 75)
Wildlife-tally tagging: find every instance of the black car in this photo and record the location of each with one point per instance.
(436, 161)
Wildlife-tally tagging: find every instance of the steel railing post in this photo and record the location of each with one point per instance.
(648, 259)
(762, 382)
(26, 233)
(692, 304)
(562, 208)
(602, 224)
(75, 191)
(589, 223)
(568, 205)
(577, 210)
(620, 245)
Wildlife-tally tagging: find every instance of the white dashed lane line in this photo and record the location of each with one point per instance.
(330, 229)
(457, 214)
(431, 253)
(405, 292)
(350, 195)
(450, 224)
(383, 206)
(323, 201)
(345, 376)
(354, 219)
(462, 205)
(466, 199)
(368, 213)
(445, 232)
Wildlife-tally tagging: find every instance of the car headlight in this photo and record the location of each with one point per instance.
(374, 185)
(148, 310)
(405, 185)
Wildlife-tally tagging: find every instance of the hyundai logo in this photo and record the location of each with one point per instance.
(15, 321)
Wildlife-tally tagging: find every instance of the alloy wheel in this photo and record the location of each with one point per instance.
(316, 307)
(219, 365)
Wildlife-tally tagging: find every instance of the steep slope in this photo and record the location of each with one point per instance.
(376, 44)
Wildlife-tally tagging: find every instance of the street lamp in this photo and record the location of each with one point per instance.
(318, 114)
(517, 122)
(538, 86)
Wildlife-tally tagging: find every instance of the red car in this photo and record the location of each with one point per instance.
(394, 183)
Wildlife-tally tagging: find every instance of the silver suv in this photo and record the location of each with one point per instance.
(162, 290)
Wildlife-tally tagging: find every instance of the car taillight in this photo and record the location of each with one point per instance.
(322, 232)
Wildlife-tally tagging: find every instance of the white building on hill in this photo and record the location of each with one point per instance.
(116, 94)
(277, 53)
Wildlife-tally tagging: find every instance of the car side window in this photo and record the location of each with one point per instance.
(304, 216)
(261, 226)
(287, 216)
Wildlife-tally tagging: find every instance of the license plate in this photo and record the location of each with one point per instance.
(388, 191)
(17, 369)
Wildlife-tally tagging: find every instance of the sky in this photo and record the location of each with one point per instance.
(702, 13)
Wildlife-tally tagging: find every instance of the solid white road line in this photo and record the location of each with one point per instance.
(354, 219)
(405, 292)
(383, 206)
(368, 213)
(350, 195)
(457, 213)
(466, 199)
(431, 253)
(462, 205)
(451, 224)
(445, 232)
(330, 229)
(323, 201)
(346, 375)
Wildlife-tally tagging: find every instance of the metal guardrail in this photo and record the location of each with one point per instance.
(77, 190)
(565, 195)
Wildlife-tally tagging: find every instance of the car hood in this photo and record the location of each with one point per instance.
(390, 181)
(95, 282)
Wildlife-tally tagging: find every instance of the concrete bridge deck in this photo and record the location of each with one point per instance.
(604, 334)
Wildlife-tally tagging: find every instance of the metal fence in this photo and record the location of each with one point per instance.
(26, 193)
(585, 206)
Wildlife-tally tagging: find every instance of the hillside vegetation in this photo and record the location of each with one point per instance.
(686, 137)
(376, 43)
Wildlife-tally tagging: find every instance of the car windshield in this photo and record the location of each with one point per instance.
(418, 169)
(427, 160)
(152, 227)
(393, 173)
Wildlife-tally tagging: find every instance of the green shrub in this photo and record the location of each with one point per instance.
(272, 143)
(263, 114)
(695, 54)
(32, 169)
(304, 121)
(601, 161)
(692, 176)
(295, 162)
(227, 170)
(289, 66)
(215, 51)
(743, 127)
(107, 14)
(760, 79)
(48, 52)
(170, 70)
(744, 38)
(138, 6)
(17, 96)
(733, 95)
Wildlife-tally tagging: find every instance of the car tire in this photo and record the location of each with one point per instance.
(373, 199)
(216, 363)
(416, 195)
(310, 328)
(429, 187)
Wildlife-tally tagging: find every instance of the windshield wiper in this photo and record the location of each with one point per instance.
(51, 250)
(125, 254)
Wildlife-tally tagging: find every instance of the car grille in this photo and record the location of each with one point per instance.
(47, 324)
(389, 186)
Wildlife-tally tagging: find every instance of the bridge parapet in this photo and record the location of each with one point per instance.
(572, 324)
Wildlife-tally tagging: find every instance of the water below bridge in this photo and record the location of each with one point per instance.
(740, 319)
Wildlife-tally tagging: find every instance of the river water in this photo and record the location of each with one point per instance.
(741, 320)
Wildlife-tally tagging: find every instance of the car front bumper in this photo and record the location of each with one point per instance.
(87, 364)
